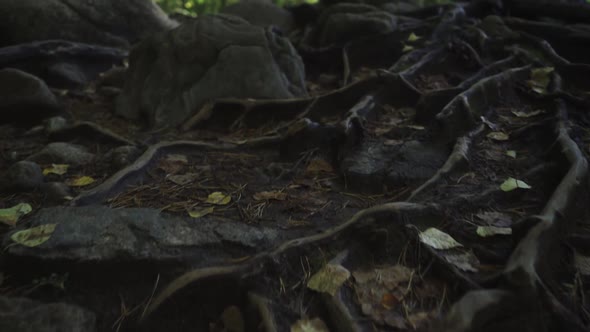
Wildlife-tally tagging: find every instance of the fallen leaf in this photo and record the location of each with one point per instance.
(407, 48)
(389, 277)
(80, 181)
(380, 291)
(233, 319)
(521, 114)
(329, 279)
(497, 219)
(463, 260)
(201, 213)
(59, 169)
(11, 215)
(413, 37)
(389, 301)
(182, 179)
(381, 131)
(420, 319)
(498, 136)
(415, 127)
(437, 239)
(173, 163)
(218, 198)
(511, 153)
(35, 236)
(309, 325)
(268, 195)
(485, 231)
(319, 165)
(539, 79)
(488, 123)
(392, 142)
(512, 184)
(582, 263)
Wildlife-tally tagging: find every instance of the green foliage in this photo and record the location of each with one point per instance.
(193, 7)
(196, 7)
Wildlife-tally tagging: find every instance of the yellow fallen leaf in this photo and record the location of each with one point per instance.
(512, 184)
(329, 279)
(413, 37)
(201, 213)
(498, 136)
(267, 195)
(511, 153)
(485, 231)
(35, 236)
(407, 48)
(218, 198)
(11, 215)
(540, 79)
(173, 163)
(233, 319)
(415, 127)
(319, 165)
(309, 325)
(522, 114)
(438, 239)
(81, 181)
(59, 169)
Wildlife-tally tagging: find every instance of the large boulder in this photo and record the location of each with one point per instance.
(348, 21)
(262, 13)
(175, 73)
(106, 22)
(24, 97)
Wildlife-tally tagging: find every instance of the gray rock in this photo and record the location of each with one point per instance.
(415, 162)
(24, 97)
(67, 74)
(106, 22)
(365, 168)
(375, 166)
(99, 233)
(55, 192)
(262, 13)
(173, 74)
(55, 124)
(24, 175)
(63, 153)
(347, 21)
(114, 77)
(19, 314)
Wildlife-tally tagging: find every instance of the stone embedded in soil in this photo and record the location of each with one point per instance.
(374, 166)
(55, 192)
(24, 98)
(55, 124)
(25, 315)
(98, 233)
(416, 161)
(23, 175)
(63, 153)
